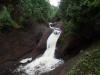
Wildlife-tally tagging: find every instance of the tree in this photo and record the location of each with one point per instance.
(19, 11)
(81, 17)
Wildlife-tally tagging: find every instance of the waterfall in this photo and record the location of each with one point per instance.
(51, 44)
(47, 62)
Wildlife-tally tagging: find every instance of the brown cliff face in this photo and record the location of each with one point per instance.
(17, 43)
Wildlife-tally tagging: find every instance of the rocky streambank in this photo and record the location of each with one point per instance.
(31, 42)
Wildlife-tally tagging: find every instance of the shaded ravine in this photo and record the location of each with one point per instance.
(9, 66)
(47, 62)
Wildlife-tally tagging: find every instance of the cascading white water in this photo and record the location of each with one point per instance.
(51, 44)
(47, 61)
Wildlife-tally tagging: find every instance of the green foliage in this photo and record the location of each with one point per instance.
(15, 13)
(38, 9)
(91, 2)
(53, 12)
(57, 16)
(81, 17)
(88, 63)
(5, 19)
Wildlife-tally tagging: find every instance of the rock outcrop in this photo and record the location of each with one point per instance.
(18, 43)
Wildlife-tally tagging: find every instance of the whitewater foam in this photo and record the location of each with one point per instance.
(47, 62)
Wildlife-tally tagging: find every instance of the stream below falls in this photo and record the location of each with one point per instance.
(47, 62)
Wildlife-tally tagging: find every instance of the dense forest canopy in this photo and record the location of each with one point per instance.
(15, 13)
(81, 17)
(77, 15)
